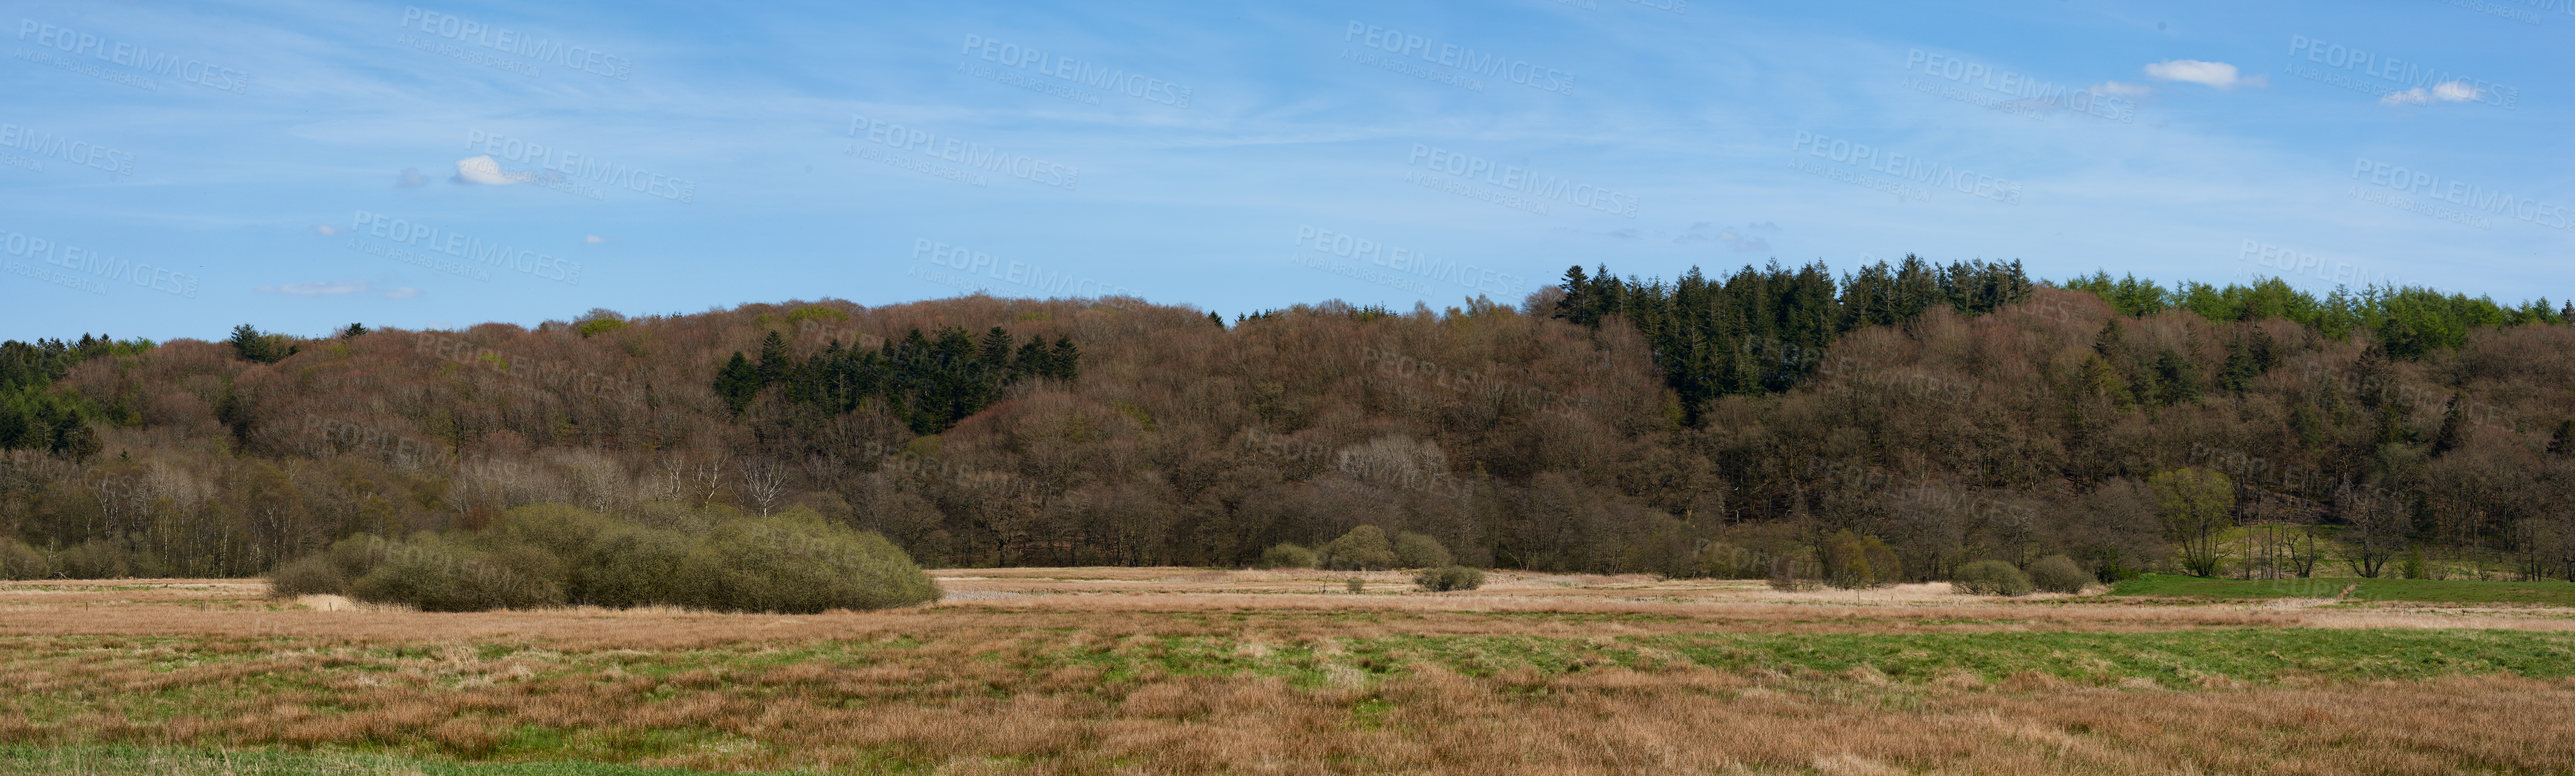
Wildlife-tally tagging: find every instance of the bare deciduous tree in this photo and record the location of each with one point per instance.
(764, 483)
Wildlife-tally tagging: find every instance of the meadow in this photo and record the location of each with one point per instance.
(1175, 670)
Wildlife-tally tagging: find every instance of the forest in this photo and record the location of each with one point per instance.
(1929, 416)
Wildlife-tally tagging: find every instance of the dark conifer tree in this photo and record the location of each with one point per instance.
(738, 382)
(774, 357)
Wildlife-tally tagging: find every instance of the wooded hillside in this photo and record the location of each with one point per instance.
(1955, 413)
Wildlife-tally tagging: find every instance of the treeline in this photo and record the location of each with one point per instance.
(929, 383)
(34, 417)
(1764, 330)
(1949, 414)
(2407, 321)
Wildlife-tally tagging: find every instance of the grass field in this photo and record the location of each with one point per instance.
(2550, 593)
(1193, 671)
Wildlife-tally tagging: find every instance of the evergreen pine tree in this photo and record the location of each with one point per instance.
(253, 346)
(774, 365)
(996, 350)
(738, 382)
(1065, 363)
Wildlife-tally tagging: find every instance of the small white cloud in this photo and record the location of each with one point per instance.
(597, 240)
(2448, 91)
(2218, 75)
(2414, 96)
(2122, 89)
(485, 171)
(405, 292)
(411, 179)
(1766, 226)
(328, 230)
(320, 288)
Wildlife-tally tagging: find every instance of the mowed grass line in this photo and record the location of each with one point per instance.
(1051, 700)
(171, 677)
(2171, 659)
(2547, 593)
(133, 761)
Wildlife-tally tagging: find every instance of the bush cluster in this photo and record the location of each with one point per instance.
(1447, 578)
(1363, 548)
(1990, 577)
(1287, 556)
(19, 561)
(2059, 574)
(1852, 562)
(1420, 551)
(552, 555)
(92, 559)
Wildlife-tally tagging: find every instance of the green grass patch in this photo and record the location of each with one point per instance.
(2178, 659)
(2168, 658)
(2550, 593)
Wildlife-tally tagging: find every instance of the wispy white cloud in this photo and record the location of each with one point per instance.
(2218, 75)
(2448, 91)
(486, 171)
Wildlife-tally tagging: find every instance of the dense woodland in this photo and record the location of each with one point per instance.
(1947, 414)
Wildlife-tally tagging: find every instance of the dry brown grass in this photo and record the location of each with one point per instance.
(998, 679)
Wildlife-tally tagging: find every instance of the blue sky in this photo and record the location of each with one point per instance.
(170, 171)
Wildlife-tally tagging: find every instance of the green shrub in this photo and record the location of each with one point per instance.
(561, 530)
(630, 566)
(793, 562)
(1356, 585)
(1990, 577)
(2059, 574)
(550, 555)
(1287, 556)
(100, 559)
(1363, 548)
(309, 575)
(1852, 561)
(1447, 578)
(1420, 551)
(436, 574)
(19, 561)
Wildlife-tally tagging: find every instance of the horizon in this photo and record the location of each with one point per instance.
(174, 172)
